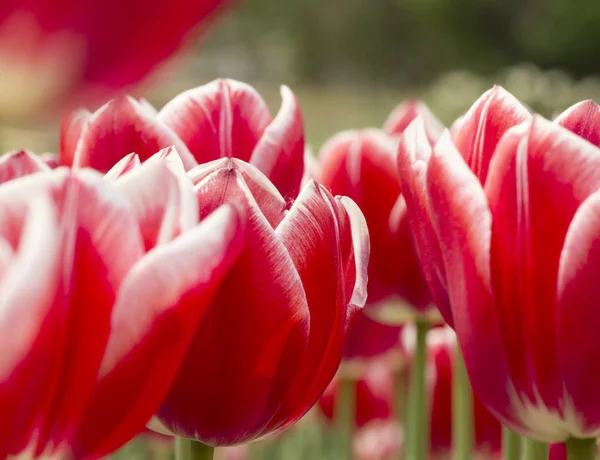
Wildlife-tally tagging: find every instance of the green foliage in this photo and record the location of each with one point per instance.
(411, 41)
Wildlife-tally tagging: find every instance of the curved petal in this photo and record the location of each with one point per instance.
(279, 153)
(267, 197)
(405, 112)
(355, 250)
(125, 164)
(414, 153)
(463, 221)
(155, 317)
(311, 234)
(541, 174)
(163, 201)
(224, 118)
(263, 293)
(28, 289)
(576, 314)
(482, 127)
(582, 119)
(370, 178)
(71, 128)
(100, 245)
(121, 127)
(18, 164)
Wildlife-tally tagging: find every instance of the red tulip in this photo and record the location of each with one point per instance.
(406, 112)
(476, 135)
(20, 163)
(441, 348)
(368, 338)
(522, 249)
(272, 338)
(374, 394)
(362, 165)
(100, 299)
(56, 53)
(223, 119)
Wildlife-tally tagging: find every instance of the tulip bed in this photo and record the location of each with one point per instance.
(411, 291)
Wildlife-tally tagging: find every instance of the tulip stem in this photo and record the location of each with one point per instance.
(187, 449)
(511, 445)
(462, 410)
(581, 449)
(419, 409)
(344, 416)
(535, 450)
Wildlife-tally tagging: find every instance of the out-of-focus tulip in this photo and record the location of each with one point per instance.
(518, 256)
(373, 398)
(441, 349)
(368, 339)
(272, 337)
(101, 287)
(380, 440)
(222, 119)
(362, 165)
(59, 53)
(405, 112)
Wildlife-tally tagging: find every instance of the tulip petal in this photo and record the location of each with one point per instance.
(577, 310)
(28, 328)
(414, 152)
(279, 153)
(125, 164)
(541, 174)
(310, 232)
(155, 317)
(267, 197)
(582, 119)
(71, 128)
(406, 112)
(266, 340)
(100, 245)
(18, 164)
(370, 178)
(164, 202)
(224, 118)
(463, 222)
(483, 125)
(121, 127)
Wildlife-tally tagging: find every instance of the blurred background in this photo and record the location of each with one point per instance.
(351, 61)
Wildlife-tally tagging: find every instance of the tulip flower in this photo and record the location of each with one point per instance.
(272, 337)
(55, 54)
(102, 285)
(374, 395)
(368, 339)
(361, 165)
(374, 398)
(517, 226)
(222, 119)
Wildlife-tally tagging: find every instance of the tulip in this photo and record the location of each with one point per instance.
(55, 54)
(373, 396)
(272, 337)
(516, 223)
(368, 339)
(102, 285)
(361, 165)
(222, 119)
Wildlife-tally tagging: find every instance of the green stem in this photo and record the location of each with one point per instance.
(462, 410)
(535, 450)
(187, 449)
(419, 409)
(511, 445)
(581, 449)
(345, 415)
